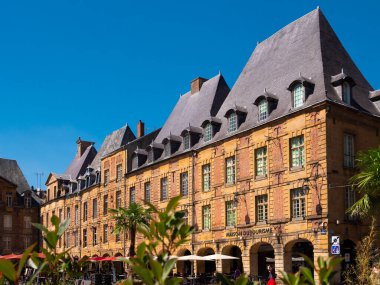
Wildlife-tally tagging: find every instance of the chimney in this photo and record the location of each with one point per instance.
(82, 146)
(140, 129)
(196, 84)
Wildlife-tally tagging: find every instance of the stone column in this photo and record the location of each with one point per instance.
(254, 263)
(280, 261)
(246, 263)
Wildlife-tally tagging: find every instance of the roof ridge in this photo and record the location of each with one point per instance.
(291, 23)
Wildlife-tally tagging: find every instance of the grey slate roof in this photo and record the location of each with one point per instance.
(307, 50)
(307, 47)
(10, 170)
(79, 164)
(113, 141)
(194, 108)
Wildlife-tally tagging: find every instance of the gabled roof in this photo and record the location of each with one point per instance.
(307, 46)
(194, 108)
(112, 142)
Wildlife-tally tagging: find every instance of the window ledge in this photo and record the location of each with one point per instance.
(298, 219)
(261, 177)
(296, 169)
(261, 223)
(230, 227)
(206, 230)
(229, 184)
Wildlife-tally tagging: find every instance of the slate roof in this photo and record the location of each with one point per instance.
(112, 142)
(193, 109)
(79, 164)
(307, 50)
(10, 171)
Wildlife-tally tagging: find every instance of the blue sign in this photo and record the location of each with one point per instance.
(335, 249)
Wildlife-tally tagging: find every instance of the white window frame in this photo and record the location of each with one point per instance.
(263, 110)
(184, 183)
(262, 208)
(298, 198)
(230, 214)
(232, 122)
(206, 217)
(349, 150)
(261, 161)
(206, 173)
(297, 152)
(207, 132)
(230, 170)
(298, 95)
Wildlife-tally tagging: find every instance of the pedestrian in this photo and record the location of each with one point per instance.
(271, 276)
(237, 273)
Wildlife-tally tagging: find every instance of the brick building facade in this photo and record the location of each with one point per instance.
(19, 208)
(263, 168)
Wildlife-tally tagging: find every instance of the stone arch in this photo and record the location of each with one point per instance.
(118, 265)
(261, 255)
(230, 265)
(206, 266)
(184, 267)
(292, 254)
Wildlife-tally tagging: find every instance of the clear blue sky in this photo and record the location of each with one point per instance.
(86, 67)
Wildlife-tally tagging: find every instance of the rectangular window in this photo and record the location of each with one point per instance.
(75, 233)
(7, 243)
(94, 237)
(8, 222)
(67, 239)
(232, 122)
(132, 195)
(230, 214)
(230, 170)
(68, 213)
(28, 202)
(27, 222)
(118, 199)
(297, 153)
(262, 208)
(261, 161)
(76, 214)
(60, 215)
(106, 176)
(206, 214)
(186, 141)
(263, 110)
(186, 216)
(206, 172)
(348, 148)
(105, 204)
(184, 184)
(147, 191)
(95, 208)
(105, 233)
(85, 238)
(207, 132)
(298, 203)
(164, 188)
(27, 242)
(9, 199)
(85, 211)
(119, 172)
(117, 236)
(349, 200)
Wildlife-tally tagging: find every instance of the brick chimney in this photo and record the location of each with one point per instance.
(196, 84)
(140, 129)
(82, 146)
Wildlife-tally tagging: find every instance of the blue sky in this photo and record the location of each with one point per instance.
(72, 68)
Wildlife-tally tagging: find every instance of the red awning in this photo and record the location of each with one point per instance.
(100, 259)
(19, 256)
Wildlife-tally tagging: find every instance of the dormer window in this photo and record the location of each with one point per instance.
(346, 92)
(343, 84)
(150, 156)
(232, 122)
(235, 117)
(186, 141)
(167, 149)
(263, 110)
(27, 200)
(298, 95)
(135, 162)
(207, 132)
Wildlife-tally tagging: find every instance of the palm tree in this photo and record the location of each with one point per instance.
(127, 220)
(367, 182)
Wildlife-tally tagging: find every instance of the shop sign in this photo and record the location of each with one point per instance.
(335, 249)
(250, 232)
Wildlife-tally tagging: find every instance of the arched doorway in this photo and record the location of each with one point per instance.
(230, 265)
(293, 255)
(118, 266)
(184, 267)
(205, 266)
(261, 255)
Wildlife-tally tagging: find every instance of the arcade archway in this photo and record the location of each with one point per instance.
(206, 266)
(261, 255)
(293, 255)
(230, 265)
(184, 267)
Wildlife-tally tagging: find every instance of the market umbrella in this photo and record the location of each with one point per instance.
(219, 256)
(100, 259)
(192, 257)
(12, 256)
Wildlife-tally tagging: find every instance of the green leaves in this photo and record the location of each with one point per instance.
(8, 270)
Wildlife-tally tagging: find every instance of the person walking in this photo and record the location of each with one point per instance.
(271, 276)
